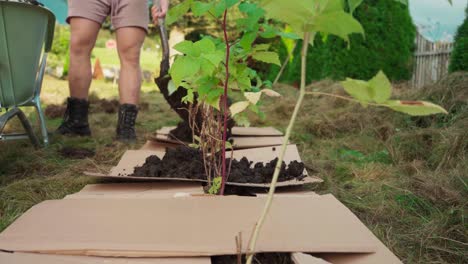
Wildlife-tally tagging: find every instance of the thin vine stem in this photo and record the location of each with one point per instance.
(271, 193)
(225, 107)
(285, 63)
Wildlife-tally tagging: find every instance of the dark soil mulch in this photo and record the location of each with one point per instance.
(54, 111)
(104, 105)
(264, 258)
(76, 153)
(184, 162)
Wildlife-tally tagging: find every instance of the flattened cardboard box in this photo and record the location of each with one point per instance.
(138, 190)
(28, 258)
(166, 227)
(134, 158)
(164, 190)
(243, 137)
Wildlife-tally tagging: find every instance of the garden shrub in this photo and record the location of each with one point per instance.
(388, 45)
(459, 60)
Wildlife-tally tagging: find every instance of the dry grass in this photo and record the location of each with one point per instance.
(406, 178)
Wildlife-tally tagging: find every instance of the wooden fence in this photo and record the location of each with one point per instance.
(431, 61)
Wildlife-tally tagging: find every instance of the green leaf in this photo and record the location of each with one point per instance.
(214, 96)
(215, 58)
(208, 68)
(238, 107)
(267, 56)
(189, 97)
(171, 88)
(415, 108)
(380, 87)
(176, 12)
(221, 6)
(353, 4)
(338, 23)
(248, 7)
(215, 185)
(247, 40)
(358, 89)
(242, 120)
(200, 8)
(330, 5)
(269, 31)
(205, 45)
(186, 47)
(182, 68)
(261, 47)
(293, 12)
(288, 35)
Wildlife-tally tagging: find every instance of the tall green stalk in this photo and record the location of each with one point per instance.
(269, 202)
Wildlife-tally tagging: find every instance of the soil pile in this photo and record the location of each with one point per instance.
(263, 258)
(183, 162)
(54, 111)
(76, 153)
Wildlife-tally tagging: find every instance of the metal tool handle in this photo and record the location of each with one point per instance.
(162, 32)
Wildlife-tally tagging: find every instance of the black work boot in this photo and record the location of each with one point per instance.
(126, 123)
(75, 120)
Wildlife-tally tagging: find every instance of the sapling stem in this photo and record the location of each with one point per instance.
(266, 209)
(224, 99)
(285, 63)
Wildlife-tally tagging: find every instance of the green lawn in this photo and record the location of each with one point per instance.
(108, 57)
(405, 178)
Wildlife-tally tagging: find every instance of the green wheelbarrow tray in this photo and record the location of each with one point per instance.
(26, 35)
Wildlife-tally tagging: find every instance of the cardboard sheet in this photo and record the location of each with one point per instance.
(239, 142)
(159, 146)
(133, 158)
(238, 131)
(138, 190)
(193, 226)
(382, 256)
(27, 258)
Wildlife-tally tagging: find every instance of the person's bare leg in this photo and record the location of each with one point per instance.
(129, 43)
(83, 38)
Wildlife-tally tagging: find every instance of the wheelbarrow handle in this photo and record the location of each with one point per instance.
(162, 32)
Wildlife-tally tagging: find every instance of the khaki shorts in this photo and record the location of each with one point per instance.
(123, 13)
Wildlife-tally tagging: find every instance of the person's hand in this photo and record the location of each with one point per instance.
(159, 13)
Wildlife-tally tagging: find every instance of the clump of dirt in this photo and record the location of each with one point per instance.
(183, 162)
(76, 153)
(184, 133)
(263, 258)
(54, 111)
(104, 105)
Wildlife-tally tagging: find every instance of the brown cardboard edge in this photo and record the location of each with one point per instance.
(307, 180)
(246, 142)
(29, 258)
(138, 190)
